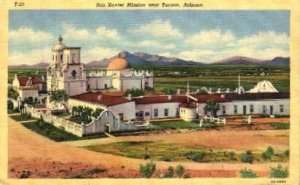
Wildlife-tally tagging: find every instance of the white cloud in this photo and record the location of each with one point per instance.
(31, 57)
(265, 39)
(158, 28)
(24, 34)
(101, 33)
(154, 44)
(211, 38)
(165, 54)
(98, 53)
(212, 45)
(106, 33)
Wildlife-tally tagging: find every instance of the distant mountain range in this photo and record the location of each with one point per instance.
(142, 59)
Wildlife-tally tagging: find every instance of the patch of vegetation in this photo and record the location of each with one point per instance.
(22, 117)
(80, 114)
(134, 92)
(54, 133)
(247, 157)
(248, 173)
(11, 93)
(175, 125)
(279, 172)
(267, 155)
(280, 126)
(196, 156)
(179, 170)
(212, 107)
(163, 151)
(170, 172)
(148, 169)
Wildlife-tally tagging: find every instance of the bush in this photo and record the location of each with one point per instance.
(10, 105)
(196, 156)
(279, 172)
(268, 153)
(287, 153)
(247, 173)
(247, 157)
(170, 172)
(179, 170)
(148, 169)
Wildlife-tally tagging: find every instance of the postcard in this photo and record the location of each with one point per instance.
(140, 92)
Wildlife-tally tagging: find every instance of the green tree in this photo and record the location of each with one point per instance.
(212, 107)
(247, 157)
(59, 96)
(148, 169)
(134, 92)
(10, 105)
(279, 172)
(179, 170)
(169, 91)
(248, 173)
(13, 94)
(96, 113)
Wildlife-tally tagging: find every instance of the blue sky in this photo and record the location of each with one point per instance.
(203, 36)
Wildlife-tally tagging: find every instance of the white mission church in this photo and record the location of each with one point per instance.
(104, 90)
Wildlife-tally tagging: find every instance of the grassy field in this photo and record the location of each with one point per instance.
(175, 125)
(163, 151)
(214, 76)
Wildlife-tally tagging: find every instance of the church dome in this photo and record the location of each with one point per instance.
(59, 46)
(118, 64)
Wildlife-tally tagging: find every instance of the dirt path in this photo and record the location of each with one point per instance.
(28, 150)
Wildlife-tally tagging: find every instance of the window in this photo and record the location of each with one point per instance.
(223, 109)
(74, 74)
(52, 57)
(281, 108)
(166, 112)
(155, 112)
(264, 109)
(235, 109)
(147, 114)
(121, 116)
(251, 109)
(61, 57)
(73, 58)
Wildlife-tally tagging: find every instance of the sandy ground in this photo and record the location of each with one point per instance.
(31, 155)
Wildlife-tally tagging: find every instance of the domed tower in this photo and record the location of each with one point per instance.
(66, 71)
(57, 51)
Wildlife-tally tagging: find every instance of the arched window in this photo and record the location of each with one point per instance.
(74, 73)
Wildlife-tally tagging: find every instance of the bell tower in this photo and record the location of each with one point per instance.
(66, 72)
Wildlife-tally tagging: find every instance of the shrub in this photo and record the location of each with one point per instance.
(247, 173)
(10, 105)
(179, 170)
(268, 153)
(196, 156)
(287, 153)
(247, 157)
(279, 172)
(148, 169)
(231, 155)
(170, 172)
(146, 156)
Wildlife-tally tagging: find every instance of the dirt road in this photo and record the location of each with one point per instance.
(29, 151)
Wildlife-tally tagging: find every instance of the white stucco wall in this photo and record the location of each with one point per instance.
(257, 107)
(127, 109)
(28, 93)
(188, 114)
(99, 82)
(172, 107)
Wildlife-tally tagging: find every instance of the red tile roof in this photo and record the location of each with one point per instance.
(159, 99)
(101, 98)
(203, 98)
(35, 80)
